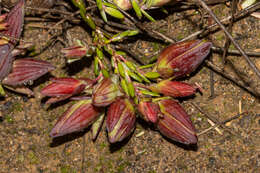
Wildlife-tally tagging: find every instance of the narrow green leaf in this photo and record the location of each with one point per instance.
(133, 33)
(134, 76)
(145, 92)
(130, 65)
(114, 12)
(2, 91)
(105, 72)
(137, 9)
(121, 69)
(121, 53)
(131, 89)
(143, 77)
(148, 16)
(152, 75)
(146, 66)
(96, 66)
(124, 86)
(100, 54)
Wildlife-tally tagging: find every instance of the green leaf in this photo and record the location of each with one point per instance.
(130, 65)
(146, 66)
(143, 77)
(145, 92)
(133, 33)
(134, 76)
(96, 66)
(121, 69)
(137, 9)
(121, 53)
(131, 89)
(100, 54)
(2, 91)
(152, 75)
(124, 86)
(114, 12)
(105, 72)
(147, 15)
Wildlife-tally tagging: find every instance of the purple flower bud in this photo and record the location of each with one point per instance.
(105, 92)
(182, 58)
(120, 120)
(76, 118)
(27, 70)
(174, 88)
(149, 111)
(176, 123)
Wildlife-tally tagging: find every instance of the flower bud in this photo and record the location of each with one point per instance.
(176, 123)
(149, 111)
(63, 88)
(74, 52)
(14, 20)
(120, 120)
(105, 92)
(27, 70)
(76, 118)
(182, 58)
(174, 88)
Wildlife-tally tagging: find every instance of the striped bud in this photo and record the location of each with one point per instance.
(182, 58)
(75, 52)
(176, 123)
(149, 111)
(76, 118)
(27, 70)
(120, 120)
(174, 88)
(105, 92)
(63, 88)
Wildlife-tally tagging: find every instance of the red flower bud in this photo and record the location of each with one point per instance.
(182, 58)
(74, 51)
(149, 111)
(105, 92)
(14, 20)
(174, 88)
(26, 70)
(76, 118)
(120, 120)
(176, 123)
(63, 88)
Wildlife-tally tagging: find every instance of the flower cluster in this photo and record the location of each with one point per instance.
(130, 90)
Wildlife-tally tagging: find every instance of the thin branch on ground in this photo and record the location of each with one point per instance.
(222, 123)
(251, 64)
(214, 120)
(225, 21)
(234, 52)
(230, 78)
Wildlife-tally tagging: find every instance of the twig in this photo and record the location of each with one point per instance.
(221, 123)
(237, 16)
(229, 77)
(214, 120)
(227, 42)
(251, 64)
(234, 52)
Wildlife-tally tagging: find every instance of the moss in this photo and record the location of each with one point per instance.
(32, 157)
(67, 169)
(17, 107)
(9, 119)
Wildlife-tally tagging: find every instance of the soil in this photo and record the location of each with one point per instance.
(25, 122)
